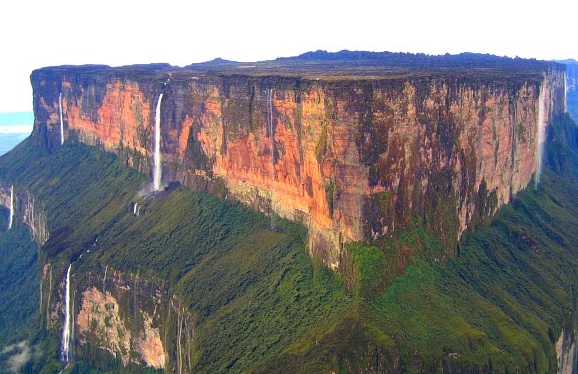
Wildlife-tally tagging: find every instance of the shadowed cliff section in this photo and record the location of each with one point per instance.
(188, 282)
(562, 150)
(500, 305)
(571, 87)
(190, 274)
(352, 144)
(505, 303)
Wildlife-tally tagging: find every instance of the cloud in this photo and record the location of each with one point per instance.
(19, 354)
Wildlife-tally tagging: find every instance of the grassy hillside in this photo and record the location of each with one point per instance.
(19, 293)
(498, 306)
(19, 269)
(261, 304)
(254, 291)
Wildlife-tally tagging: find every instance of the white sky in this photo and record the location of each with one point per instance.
(41, 33)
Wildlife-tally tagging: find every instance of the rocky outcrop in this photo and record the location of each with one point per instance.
(566, 353)
(26, 209)
(32, 213)
(124, 316)
(353, 157)
(7, 201)
(571, 87)
(571, 76)
(100, 320)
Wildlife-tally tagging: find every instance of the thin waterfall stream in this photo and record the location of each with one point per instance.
(61, 120)
(11, 219)
(65, 356)
(157, 156)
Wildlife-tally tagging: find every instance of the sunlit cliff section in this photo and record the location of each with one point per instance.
(355, 146)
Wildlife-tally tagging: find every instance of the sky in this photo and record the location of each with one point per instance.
(35, 34)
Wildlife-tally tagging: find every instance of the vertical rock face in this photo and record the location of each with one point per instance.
(566, 353)
(571, 75)
(31, 212)
(129, 332)
(26, 210)
(571, 87)
(354, 158)
(128, 317)
(5, 196)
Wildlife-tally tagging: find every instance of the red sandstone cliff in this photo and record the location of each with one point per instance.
(353, 157)
(123, 314)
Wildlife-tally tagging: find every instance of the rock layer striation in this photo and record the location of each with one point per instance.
(354, 155)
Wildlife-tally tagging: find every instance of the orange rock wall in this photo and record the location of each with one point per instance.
(100, 319)
(353, 160)
(127, 316)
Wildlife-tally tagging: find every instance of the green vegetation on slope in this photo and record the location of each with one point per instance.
(81, 190)
(562, 155)
(18, 293)
(499, 306)
(19, 270)
(253, 292)
(261, 304)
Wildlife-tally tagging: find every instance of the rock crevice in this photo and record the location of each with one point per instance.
(353, 158)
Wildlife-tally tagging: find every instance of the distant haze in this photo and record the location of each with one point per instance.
(14, 127)
(17, 118)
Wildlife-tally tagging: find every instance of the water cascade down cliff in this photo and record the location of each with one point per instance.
(352, 158)
(11, 218)
(157, 173)
(61, 120)
(66, 330)
(22, 207)
(388, 164)
(565, 93)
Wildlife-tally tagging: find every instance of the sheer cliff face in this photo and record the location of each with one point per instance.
(353, 159)
(26, 209)
(126, 316)
(571, 87)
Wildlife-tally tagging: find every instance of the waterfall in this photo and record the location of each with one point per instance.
(67, 327)
(541, 126)
(158, 166)
(134, 209)
(61, 121)
(565, 93)
(11, 219)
